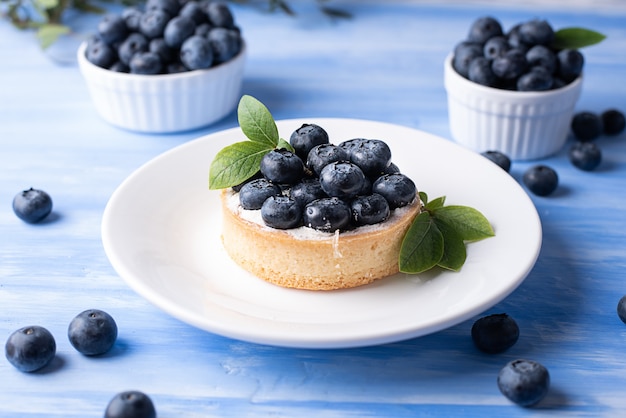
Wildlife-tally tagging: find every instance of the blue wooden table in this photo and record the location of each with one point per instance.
(384, 64)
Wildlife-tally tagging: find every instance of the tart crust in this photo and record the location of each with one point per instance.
(313, 260)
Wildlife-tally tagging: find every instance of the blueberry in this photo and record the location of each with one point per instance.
(196, 53)
(30, 348)
(495, 47)
(536, 32)
(282, 166)
(32, 205)
(342, 179)
(484, 28)
(152, 23)
(499, 158)
(613, 122)
(132, 17)
(324, 154)
(541, 180)
(134, 43)
(537, 79)
(254, 193)
(464, 54)
(495, 333)
(306, 137)
(226, 43)
(306, 191)
(145, 63)
(100, 54)
(397, 188)
(130, 404)
(219, 15)
(370, 209)
(281, 212)
(328, 214)
(514, 39)
(203, 29)
(480, 72)
(192, 10)
(511, 65)
(92, 332)
(119, 67)
(171, 7)
(524, 382)
(585, 155)
(586, 126)
(542, 56)
(166, 54)
(621, 309)
(175, 67)
(112, 28)
(570, 64)
(371, 155)
(177, 30)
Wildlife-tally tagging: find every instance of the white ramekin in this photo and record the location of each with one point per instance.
(164, 103)
(522, 125)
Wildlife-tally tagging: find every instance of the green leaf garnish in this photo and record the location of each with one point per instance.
(422, 246)
(575, 38)
(285, 144)
(438, 235)
(468, 222)
(454, 253)
(238, 162)
(257, 122)
(49, 33)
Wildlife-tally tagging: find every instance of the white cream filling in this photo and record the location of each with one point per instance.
(306, 233)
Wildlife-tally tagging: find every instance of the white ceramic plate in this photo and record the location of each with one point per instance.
(161, 231)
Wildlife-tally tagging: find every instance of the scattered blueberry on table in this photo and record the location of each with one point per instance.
(585, 155)
(541, 179)
(30, 348)
(130, 404)
(495, 333)
(92, 332)
(524, 382)
(32, 205)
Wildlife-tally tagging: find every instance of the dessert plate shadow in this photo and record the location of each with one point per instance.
(161, 232)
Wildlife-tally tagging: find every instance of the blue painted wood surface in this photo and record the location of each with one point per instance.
(384, 64)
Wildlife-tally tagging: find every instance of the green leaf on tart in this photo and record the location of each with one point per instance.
(575, 38)
(284, 145)
(236, 163)
(470, 224)
(454, 252)
(422, 246)
(257, 122)
(435, 204)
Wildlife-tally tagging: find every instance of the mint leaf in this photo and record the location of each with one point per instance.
(454, 253)
(576, 38)
(49, 33)
(469, 223)
(423, 197)
(285, 145)
(236, 163)
(422, 246)
(435, 204)
(257, 122)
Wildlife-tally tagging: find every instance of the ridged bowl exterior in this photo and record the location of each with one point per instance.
(522, 125)
(164, 103)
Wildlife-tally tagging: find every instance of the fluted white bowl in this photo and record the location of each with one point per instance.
(164, 103)
(522, 125)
